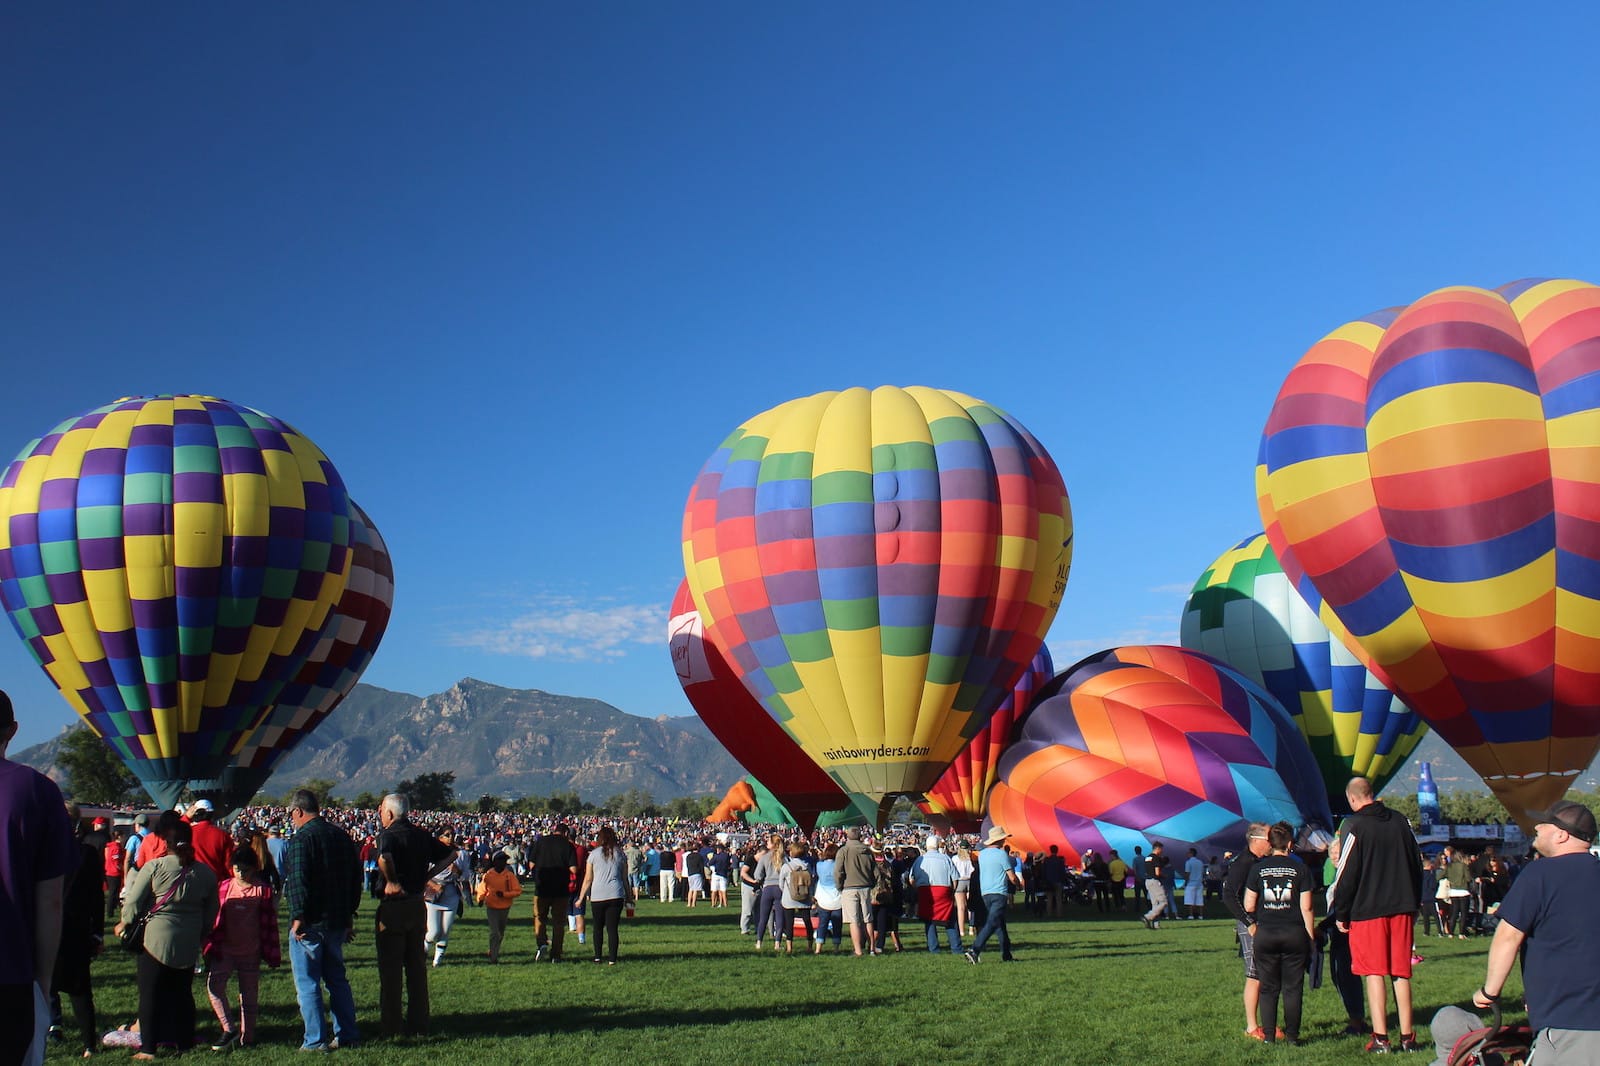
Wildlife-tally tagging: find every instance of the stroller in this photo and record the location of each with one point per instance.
(1493, 1045)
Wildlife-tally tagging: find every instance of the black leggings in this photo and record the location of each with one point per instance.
(166, 1005)
(606, 912)
(1281, 955)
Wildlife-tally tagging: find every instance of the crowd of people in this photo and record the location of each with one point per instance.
(193, 897)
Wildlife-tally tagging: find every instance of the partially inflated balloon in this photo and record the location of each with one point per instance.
(1141, 744)
(335, 664)
(1245, 612)
(959, 794)
(879, 566)
(171, 562)
(1433, 473)
(735, 718)
(739, 798)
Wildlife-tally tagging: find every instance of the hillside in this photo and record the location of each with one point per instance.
(506, 742)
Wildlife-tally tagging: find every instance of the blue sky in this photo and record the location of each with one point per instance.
(519, 268)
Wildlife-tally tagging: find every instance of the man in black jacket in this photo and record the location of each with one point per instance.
(1375, 900)
(1257, 845)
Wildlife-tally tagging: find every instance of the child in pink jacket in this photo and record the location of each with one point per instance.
(245, 935)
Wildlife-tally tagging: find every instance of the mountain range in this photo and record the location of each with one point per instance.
(517, 742)
(497, 741)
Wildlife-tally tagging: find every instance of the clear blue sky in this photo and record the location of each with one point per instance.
(518, 268)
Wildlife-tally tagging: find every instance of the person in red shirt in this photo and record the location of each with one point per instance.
(212, 844)
(112, 866)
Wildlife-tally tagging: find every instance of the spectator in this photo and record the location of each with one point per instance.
(796, 886)
(769, 906)
(935, 878)
(83, 927)
(409, 857)
(499, 889)
(244, 936)
(854, 870)
(1374, 899)
(1277, 900)
(996, 881)
(555, 864)
(178, 897)
(605, 885)
(321, 890)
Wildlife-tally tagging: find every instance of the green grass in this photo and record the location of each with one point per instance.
(689, 987)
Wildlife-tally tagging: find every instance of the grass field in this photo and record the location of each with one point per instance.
(689, 988)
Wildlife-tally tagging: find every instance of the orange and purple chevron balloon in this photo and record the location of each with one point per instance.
(1432, 473)
(1148, 743)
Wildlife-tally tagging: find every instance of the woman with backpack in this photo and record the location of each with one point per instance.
(797, 883)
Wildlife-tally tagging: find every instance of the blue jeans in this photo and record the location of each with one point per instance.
(952, 935)
(317, 959)
(994, 921)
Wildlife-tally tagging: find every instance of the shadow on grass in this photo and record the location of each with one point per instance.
(569, 1018)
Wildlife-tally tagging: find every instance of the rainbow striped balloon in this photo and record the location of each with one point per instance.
(1433, 473)
(879, 567)
(959, 793)
(1245, 612)
(1148, 743)
(170, 562)
(336, 663)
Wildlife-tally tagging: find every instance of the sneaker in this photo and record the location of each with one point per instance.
(538, 953)
(1408, 1042)
(1148, 924)
(1378, 1045)
(335, 1044)
(971, 956)
(226, 1042)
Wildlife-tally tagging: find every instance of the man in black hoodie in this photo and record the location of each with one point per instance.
(1374, 899)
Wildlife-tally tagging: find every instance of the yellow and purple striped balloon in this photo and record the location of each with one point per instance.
(1432, 473)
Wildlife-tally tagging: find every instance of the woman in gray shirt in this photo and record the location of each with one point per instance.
(605, 886)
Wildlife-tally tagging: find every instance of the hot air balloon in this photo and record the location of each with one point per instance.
(1244, 611)
(879, 566)
(741, 724)
(1433, 473)
(1149, 743)
(335, 664)
(750, 801)
(171, 561)
(959, 793)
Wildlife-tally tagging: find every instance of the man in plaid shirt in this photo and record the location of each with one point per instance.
(322, 888)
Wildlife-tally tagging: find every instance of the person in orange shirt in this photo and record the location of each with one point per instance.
(498, 889)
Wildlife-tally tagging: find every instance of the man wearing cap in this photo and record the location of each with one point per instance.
(1257, 846)
(1548, 915)
(996, 882)
(853, 872)
(37, 852)
(1374, 899)
(212, 845)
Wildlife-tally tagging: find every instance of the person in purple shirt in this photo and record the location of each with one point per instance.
(37, 852)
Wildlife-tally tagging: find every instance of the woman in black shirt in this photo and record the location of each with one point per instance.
(1277, 899)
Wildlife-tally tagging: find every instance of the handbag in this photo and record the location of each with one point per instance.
(133, 934)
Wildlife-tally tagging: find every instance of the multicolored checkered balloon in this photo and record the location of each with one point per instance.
(960, 792)
(1245, 612)
(1150, 743)
(170, 562)
(741, 724)
(879, 566)
(336, 663)
(1433, 474)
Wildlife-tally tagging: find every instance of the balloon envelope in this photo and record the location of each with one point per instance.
(1245, 612)
(741, 724)
(336, 663)
(1433, 473)
(960, 792)
(879, 567)
(1140, 744)
(170, 563)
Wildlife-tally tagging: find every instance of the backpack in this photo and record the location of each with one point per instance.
(882, 882)
(800, 883)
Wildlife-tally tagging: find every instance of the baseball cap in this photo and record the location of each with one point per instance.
(1575, 818)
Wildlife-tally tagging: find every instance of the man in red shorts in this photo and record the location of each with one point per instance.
(1374, 899)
